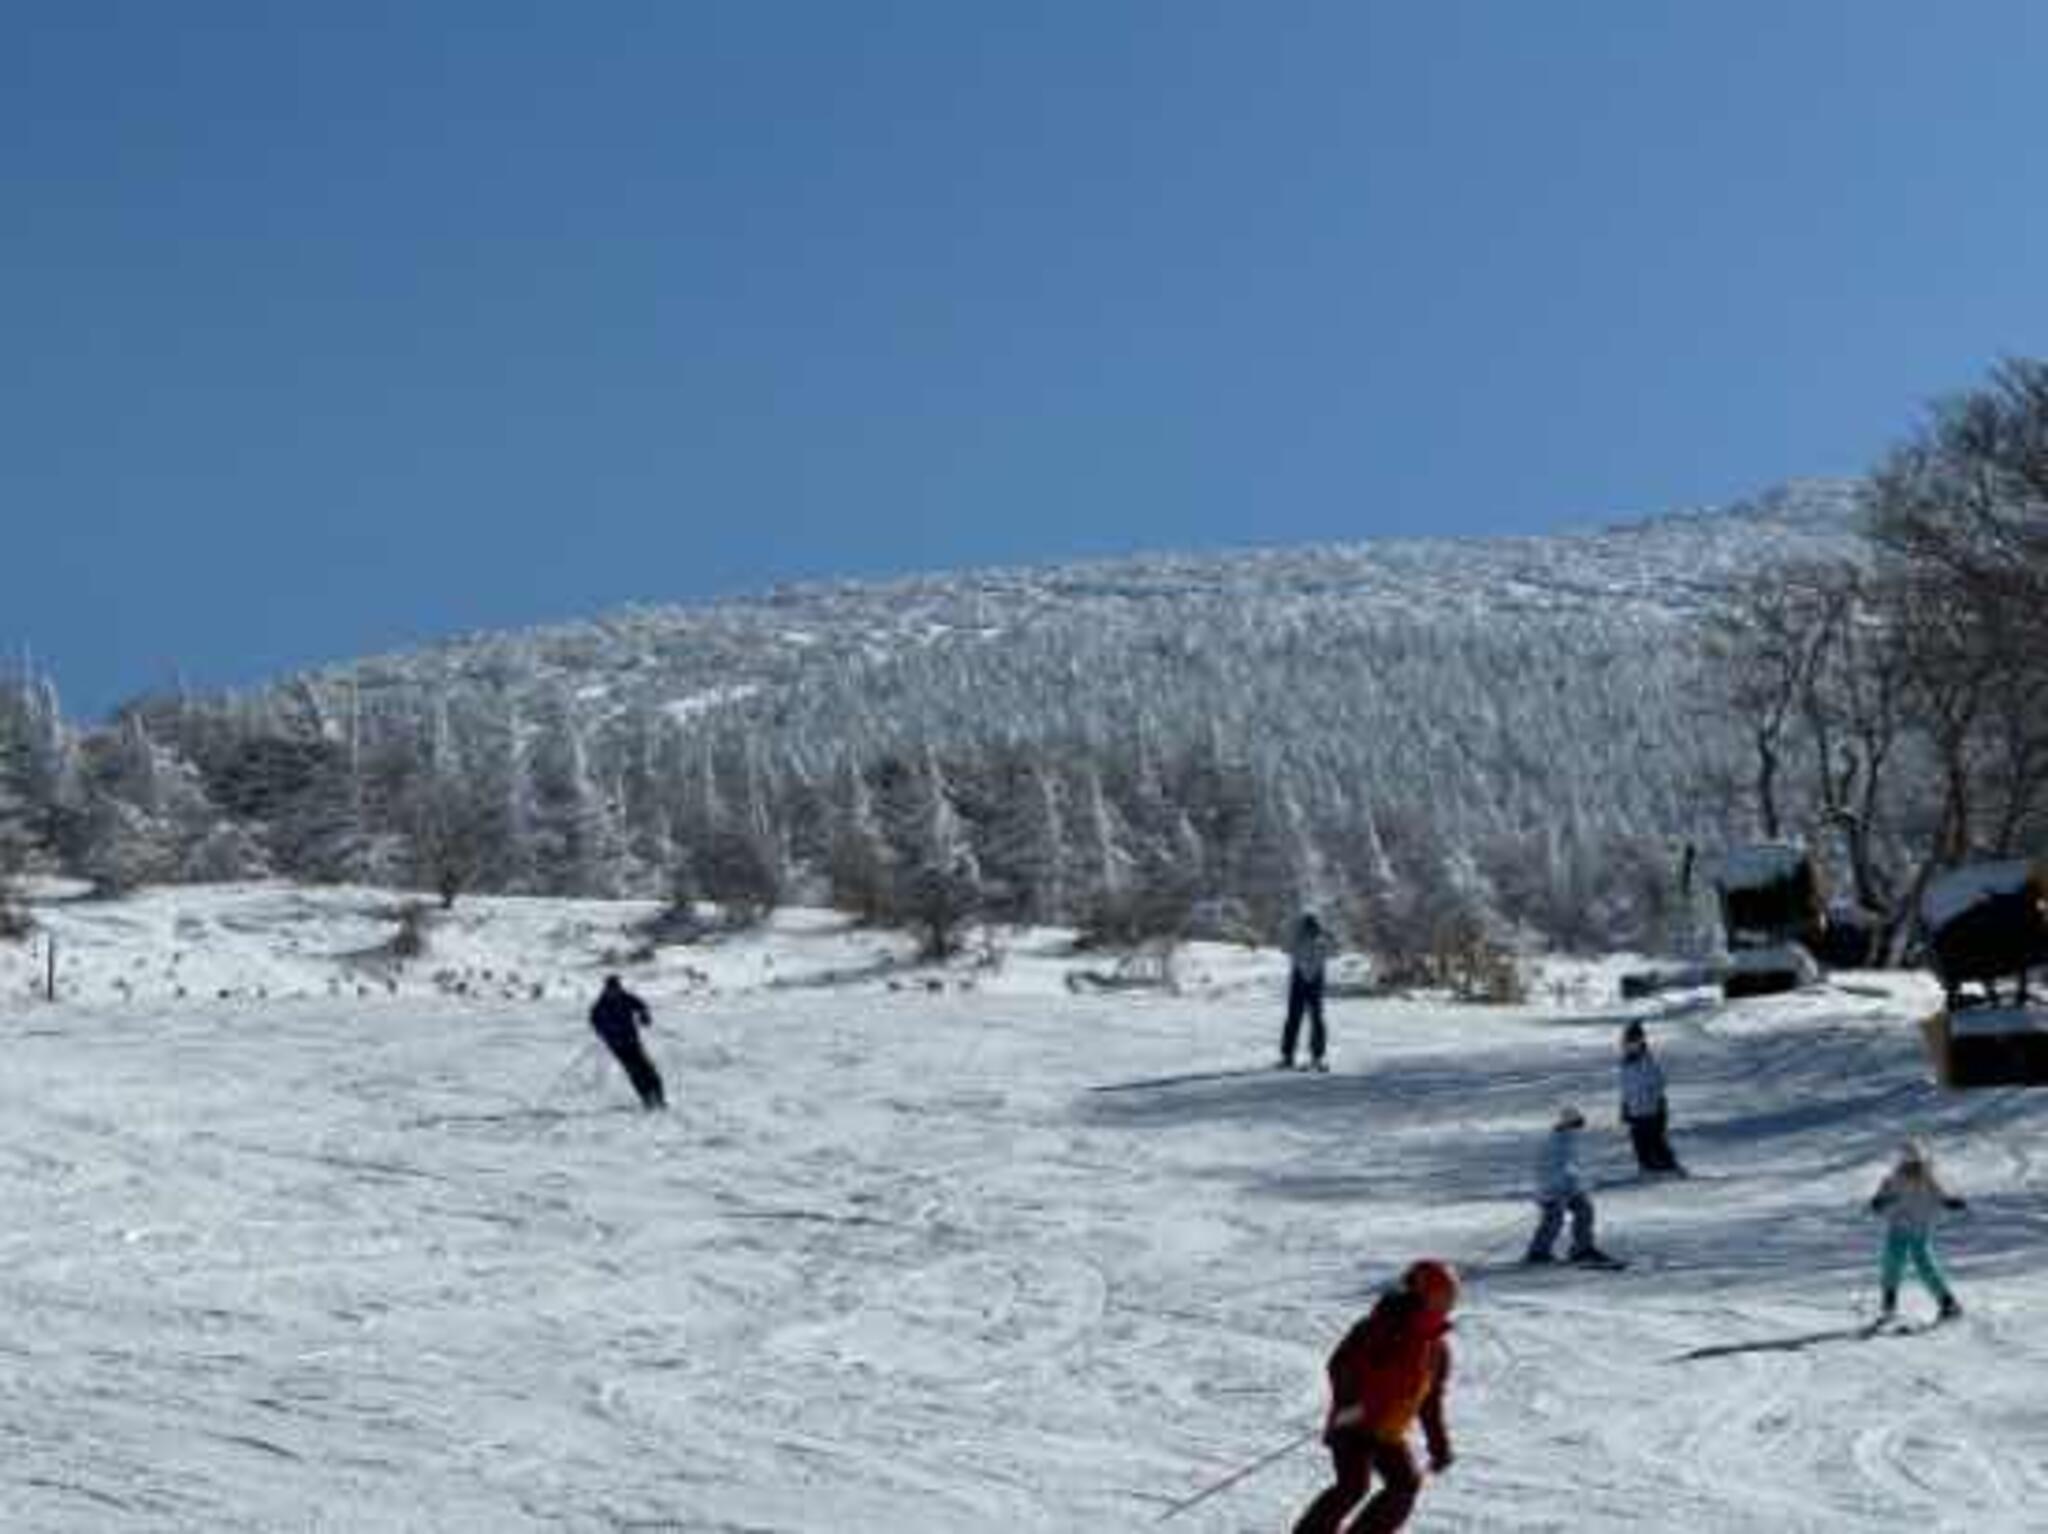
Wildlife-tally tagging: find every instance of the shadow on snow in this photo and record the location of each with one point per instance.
(1801, 1109)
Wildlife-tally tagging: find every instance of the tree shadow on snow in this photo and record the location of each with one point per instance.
(1799, 1342)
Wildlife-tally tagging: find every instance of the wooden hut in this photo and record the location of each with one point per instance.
(1988, 1046)
(1987, 923)
(1770, 895)
(1772, 917)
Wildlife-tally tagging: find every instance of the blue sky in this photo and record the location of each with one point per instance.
(332, 329)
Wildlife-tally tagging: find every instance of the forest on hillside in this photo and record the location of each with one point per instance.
(1444, 749)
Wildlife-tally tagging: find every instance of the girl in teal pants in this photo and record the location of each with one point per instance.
(1911, 1199)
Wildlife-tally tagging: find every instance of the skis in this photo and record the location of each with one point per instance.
(513, 1116)
(1898, 1326)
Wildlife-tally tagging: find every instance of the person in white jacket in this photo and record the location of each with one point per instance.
(1911, 1199)
(1559, 1192)
(1644, 1108)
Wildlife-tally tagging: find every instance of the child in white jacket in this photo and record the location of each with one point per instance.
(1911, 1199)
(1559, 1192)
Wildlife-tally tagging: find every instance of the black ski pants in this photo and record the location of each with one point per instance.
(1550, 1220)
(1653, 1146)
(1357, 1458)
(631, 1054)
(1303, 996)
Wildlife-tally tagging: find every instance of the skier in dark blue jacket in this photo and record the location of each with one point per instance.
(618, 1016)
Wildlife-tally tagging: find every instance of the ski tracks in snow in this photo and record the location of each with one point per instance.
(888, 1264)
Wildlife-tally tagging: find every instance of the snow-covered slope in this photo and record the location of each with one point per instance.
(409, 1261)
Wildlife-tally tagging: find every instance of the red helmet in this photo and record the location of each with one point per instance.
(1434, 1283)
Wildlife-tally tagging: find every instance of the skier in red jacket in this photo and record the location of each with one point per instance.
(1389, 1370)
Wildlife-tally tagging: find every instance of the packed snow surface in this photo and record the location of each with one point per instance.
(388, 1248)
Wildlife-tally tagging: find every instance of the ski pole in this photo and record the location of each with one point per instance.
(568, 1070)
(1243, 1473)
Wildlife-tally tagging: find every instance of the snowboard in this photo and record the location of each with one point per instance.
(1600, 1264)
(1519, 1267)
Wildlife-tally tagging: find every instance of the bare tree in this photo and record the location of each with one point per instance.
(1855, 713)
(1960, 514)
(1766, 648)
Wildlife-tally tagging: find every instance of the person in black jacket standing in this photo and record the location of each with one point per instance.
(618, 1016)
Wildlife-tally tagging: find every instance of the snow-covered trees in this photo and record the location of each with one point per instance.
(1026, 846)
(1074, 774)
(445, 822)
(39, 789)
(570, 822)
(1896, 703)
(1417, 740)
(1413, 739)
(859, 869)
(934, 873)
(146, 816)
(726, 836)
(16, 838)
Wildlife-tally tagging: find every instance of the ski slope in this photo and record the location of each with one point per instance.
(365, 1253)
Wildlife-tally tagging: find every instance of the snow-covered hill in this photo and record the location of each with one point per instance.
(697, 659)
(410, 1261)
(1410, 736)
